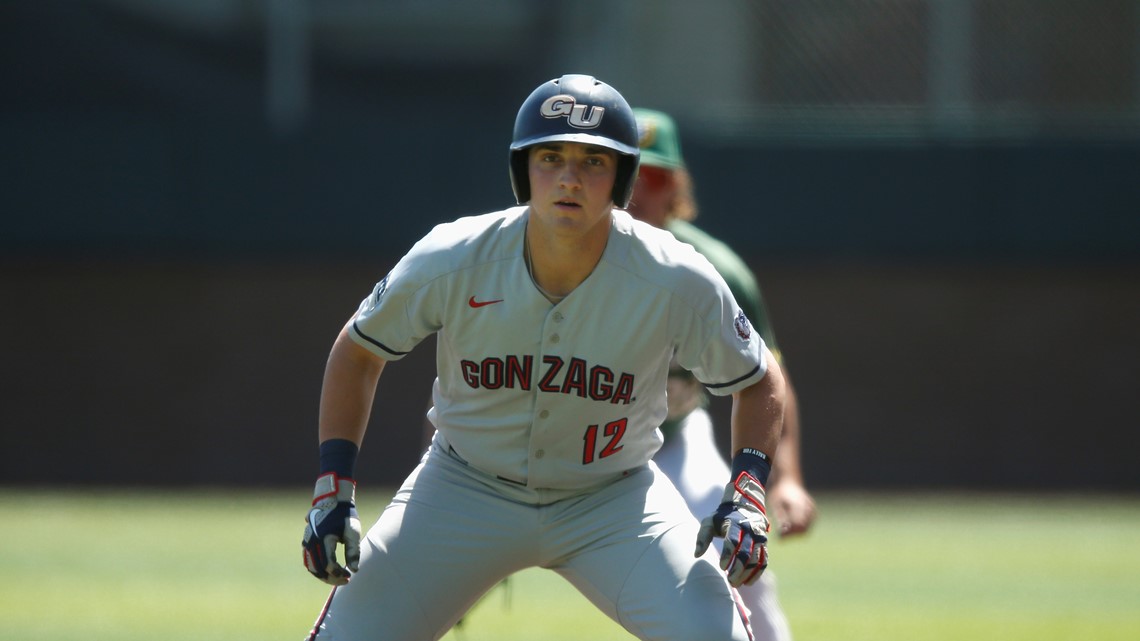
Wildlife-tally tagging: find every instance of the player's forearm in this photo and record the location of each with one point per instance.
(758, 413)
(348, 390)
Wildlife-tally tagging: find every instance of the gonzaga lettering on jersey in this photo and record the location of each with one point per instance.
(558, 377)
(548, 395)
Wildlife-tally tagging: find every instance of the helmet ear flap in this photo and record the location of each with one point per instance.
(520, 175)
(623, 181)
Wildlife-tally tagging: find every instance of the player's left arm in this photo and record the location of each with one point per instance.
(742, 519)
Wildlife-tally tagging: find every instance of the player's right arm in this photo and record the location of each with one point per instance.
(349, 387)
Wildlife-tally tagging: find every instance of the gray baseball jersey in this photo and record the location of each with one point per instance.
(563, 396)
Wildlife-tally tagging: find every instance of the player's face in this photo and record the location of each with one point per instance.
(571, 185)
(653, 194)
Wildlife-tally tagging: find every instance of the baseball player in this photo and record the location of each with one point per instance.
(663, 196)
(555, 324)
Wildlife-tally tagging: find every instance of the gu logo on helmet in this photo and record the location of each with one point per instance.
(579, 116)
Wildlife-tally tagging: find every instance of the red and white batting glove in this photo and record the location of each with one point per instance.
(741, 520)
(332, 520)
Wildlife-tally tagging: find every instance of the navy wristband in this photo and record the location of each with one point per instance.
(753, 461)
(338, 455)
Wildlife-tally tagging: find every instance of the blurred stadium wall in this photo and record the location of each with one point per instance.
(941, 198)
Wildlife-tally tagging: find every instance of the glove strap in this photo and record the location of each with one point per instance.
(332, 489)
(750, 469)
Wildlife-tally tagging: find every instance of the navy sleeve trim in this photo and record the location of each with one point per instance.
(377, 343)
(734, 382)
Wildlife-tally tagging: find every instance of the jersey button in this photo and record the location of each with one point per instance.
(554, 338)
(544, 413)
(539, 453)
(558, 317)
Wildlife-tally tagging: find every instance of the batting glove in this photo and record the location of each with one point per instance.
(741, 520)
(332, 520)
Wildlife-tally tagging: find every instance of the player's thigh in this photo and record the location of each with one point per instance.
(442, 542)
(641, 571)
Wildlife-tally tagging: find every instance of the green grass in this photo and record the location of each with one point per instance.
(932, 568)
(222, 565)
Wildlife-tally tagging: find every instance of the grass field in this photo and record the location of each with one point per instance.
(217, 565)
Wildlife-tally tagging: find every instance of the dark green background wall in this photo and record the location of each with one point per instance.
(955, 313)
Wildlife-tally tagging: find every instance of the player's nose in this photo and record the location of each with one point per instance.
(571, 176)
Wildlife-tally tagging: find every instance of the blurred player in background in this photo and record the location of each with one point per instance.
(663, 196)
(556, 322)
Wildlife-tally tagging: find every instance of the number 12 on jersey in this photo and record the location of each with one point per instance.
(612, 434)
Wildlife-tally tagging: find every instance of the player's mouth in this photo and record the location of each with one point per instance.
(567, 204)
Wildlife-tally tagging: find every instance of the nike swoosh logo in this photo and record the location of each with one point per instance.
(474, 303)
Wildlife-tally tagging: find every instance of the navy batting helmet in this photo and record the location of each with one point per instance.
(576, 108)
